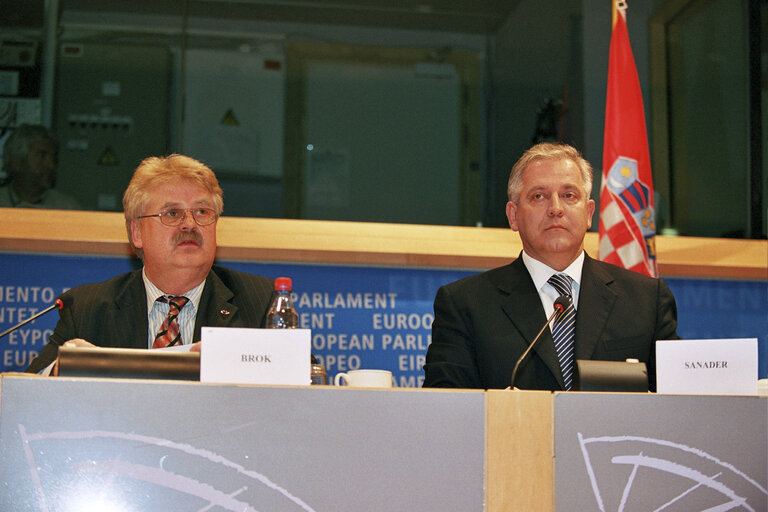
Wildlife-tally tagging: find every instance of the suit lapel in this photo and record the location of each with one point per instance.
(216, 307)
(596, 301)
(519, 287)
(131, 306)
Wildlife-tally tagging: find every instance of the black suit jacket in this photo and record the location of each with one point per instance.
(114, 313)
(484, 323)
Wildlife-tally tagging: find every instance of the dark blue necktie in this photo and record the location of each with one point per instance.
(564, 329)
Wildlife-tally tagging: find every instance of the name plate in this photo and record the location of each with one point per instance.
(707, 367)
(236, 355)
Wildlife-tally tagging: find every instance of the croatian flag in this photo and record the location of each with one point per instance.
(627, 221)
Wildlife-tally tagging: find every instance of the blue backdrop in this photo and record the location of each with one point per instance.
(360, 317)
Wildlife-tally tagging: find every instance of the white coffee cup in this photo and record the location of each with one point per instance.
(365, 378)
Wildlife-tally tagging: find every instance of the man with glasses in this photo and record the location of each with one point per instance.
(172, 206)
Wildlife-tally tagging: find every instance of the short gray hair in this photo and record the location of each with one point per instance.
(547, 151)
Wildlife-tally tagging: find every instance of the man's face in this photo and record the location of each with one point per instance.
(554, 212)
(187, 246)
(38, 170)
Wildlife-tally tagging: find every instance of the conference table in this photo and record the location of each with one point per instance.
(107, 444)
(70, 443)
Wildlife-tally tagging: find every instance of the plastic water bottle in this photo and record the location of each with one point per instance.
(281, 313)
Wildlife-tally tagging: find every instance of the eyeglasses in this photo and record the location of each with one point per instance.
(175, 216)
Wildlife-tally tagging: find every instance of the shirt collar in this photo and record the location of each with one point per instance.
(540, 272)
(153, 292)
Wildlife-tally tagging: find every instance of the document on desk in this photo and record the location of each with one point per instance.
(707, 367)
(236, 355)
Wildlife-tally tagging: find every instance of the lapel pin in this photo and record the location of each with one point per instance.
(224, 312)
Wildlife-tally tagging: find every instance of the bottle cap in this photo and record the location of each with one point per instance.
(283, 283)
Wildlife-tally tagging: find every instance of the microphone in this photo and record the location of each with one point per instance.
(60, 303)
(561, 303)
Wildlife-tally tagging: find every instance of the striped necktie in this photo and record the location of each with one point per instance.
(564, 329)
(169, 332)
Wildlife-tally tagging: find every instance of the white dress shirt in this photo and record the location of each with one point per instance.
(540, 273)
(157, 311)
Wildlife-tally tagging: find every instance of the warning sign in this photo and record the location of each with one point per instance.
(108, 157)
(230, 119)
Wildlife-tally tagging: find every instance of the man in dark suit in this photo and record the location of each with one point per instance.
(172, 206)
(484, 323)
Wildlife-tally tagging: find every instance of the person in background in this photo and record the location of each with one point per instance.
(484, 323)
(172, 206)
(30, 155)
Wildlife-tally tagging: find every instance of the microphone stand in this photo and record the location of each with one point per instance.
(58, 304)
(560, 304)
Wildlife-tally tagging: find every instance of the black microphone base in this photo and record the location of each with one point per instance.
(610, 376)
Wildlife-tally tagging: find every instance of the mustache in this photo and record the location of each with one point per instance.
(186, 236)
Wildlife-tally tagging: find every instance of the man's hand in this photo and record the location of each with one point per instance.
(76, 342)
(195, 347)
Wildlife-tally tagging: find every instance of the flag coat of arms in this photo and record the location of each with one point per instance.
(627, 221)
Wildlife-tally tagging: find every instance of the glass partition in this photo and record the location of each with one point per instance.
(380, 111)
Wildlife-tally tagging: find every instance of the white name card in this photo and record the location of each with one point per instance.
(235, 355)
(707, 367)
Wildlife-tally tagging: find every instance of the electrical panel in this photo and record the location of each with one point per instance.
(111, 112)
(19, 83)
